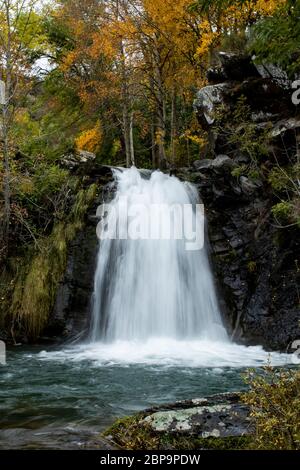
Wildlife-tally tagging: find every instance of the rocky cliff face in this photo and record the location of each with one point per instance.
(256, 261)
(71, 314)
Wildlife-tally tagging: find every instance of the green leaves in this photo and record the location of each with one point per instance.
(276, 39)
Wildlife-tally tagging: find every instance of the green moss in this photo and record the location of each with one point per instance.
(209, 443)
(36, 285)
(133, 434)
(251, 266)
(129, 433)
(282, 210)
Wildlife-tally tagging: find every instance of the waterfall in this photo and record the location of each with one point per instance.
(154, 300)
(151, 288)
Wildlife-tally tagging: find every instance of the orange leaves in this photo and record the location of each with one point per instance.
(267, 7)
(68, 61)
(101, 44)
(90, 139)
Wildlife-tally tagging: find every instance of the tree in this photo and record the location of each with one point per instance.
(135, 65)
(19, 37)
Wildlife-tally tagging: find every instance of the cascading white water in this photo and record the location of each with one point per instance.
(154, 301)
(153, 288)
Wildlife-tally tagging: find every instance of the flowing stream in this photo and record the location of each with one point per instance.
(156, 333)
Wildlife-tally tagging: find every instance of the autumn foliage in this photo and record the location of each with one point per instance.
(90, 139)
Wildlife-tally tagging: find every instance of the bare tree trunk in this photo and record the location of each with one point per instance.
(5, 134)
(161, 130)
(153, 143)
(126, 132)
(188, 152)
(160, 105)
(187, 140)
(173, 125)
(153, 124)
(131, 139)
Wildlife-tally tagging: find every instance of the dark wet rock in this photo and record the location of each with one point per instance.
(237, 67)
(248, 186)
(240, 159)
(204, 164)
(215, 75)
(255, 262)
(71, 313)
(263, 96)
(219, 163)
(262, 86)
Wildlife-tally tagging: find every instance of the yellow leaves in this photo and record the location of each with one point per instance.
(116, 147)
(267, 7)
(159, 137)
(192, 137)
(90, 139)
(208, 37)
(232, 19)
(237, 17)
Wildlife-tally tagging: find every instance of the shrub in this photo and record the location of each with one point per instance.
(274, 401)
(241, 133)
(282, 210)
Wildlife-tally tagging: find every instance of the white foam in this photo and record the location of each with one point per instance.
(168, 352)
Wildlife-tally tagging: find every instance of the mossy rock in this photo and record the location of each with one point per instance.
(216, 422)
(132, 434)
